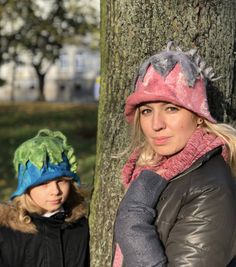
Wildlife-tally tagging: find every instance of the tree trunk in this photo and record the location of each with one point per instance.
(132, 30)
(13, 78)
(41, 79)
(41, 82)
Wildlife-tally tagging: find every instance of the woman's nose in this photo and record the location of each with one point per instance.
(158, 122)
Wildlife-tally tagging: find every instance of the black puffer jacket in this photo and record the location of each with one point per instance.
(57, 244)
(196, 220)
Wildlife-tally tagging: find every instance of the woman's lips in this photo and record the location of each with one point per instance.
(162, 140)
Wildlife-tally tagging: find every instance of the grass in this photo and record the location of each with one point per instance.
(21, 121)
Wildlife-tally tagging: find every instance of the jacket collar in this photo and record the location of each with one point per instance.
(201, 161)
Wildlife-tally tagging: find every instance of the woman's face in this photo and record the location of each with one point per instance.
(167, 127)
(51, 195)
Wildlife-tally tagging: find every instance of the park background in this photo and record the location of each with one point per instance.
(49, 70)
(21, 121)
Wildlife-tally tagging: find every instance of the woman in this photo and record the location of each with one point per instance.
(180, 207)
(44, 224)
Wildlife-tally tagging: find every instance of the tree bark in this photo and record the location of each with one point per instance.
(13, 78)
(41, 83)
(41, 79)
(132, 30)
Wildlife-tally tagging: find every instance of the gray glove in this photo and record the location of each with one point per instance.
(135, 231)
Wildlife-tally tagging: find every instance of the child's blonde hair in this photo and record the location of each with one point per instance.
(75, 204)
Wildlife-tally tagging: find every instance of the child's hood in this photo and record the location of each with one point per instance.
(9, 217)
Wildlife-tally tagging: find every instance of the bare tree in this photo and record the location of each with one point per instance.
(40, 28)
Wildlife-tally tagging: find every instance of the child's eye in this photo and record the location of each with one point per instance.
(45, 183)
(62, 181)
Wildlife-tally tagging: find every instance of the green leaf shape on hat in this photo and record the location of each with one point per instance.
(46, 143)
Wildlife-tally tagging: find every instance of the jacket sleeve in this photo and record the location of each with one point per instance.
(135, 231)
(2, 260)
(204, 231)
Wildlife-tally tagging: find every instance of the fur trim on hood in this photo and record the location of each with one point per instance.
(10, 218)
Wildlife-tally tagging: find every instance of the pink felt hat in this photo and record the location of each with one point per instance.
(179, 82)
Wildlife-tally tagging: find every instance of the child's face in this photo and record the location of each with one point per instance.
(51, 195)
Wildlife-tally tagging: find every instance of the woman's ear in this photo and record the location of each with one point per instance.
(199, 122)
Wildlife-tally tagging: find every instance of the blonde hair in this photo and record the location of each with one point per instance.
(147, 155)
(75, 204)
(228, 134)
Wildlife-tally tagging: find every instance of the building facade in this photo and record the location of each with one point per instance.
(71, 78)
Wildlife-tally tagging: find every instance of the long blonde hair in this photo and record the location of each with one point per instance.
(147, 154)
(75, 204)
(138, 142)
(228, 135)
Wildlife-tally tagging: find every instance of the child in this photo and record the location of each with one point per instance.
(44, 224)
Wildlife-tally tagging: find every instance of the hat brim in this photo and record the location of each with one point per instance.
(136, 99)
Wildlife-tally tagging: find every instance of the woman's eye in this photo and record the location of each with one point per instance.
(145, 111)
(172, 108)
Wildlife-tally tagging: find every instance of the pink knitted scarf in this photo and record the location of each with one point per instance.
(198, 145)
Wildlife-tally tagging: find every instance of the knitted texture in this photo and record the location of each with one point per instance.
(118, 258)
(198, 145)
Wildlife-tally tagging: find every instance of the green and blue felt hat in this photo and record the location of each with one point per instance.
(43, 158)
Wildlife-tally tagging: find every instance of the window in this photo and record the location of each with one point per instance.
(62, 87)
(63, 61)
(79, 62)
